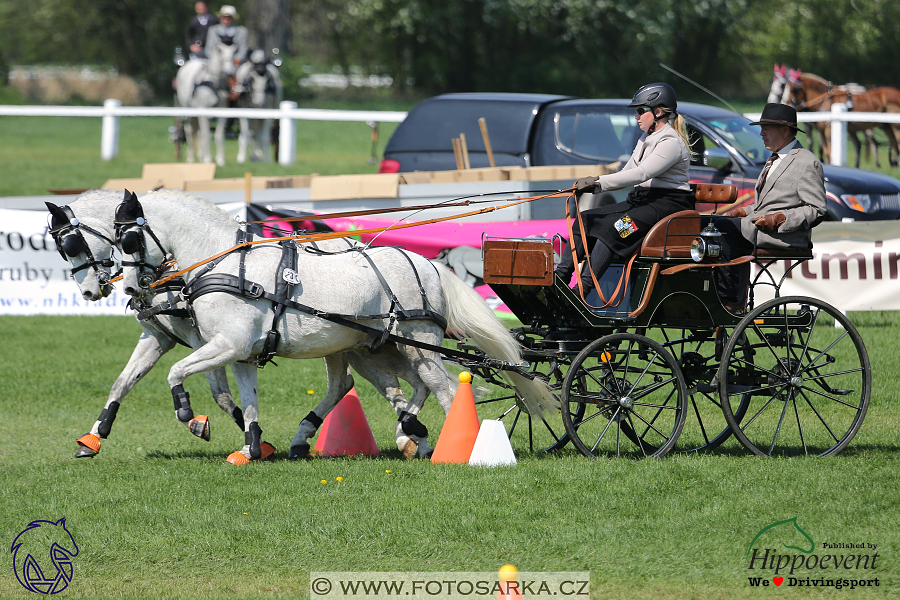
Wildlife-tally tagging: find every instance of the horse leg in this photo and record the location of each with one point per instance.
(190, 136)
(382, 370)
(339, 383)
(248, 386)
(215, 354)
(853, 134)
(265, 139)
(218, 385)
(204, 152)
(243, 140)
(220, 142)
(145, 355)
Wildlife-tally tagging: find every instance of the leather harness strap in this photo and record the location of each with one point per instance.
(619, 293)
(239, 285)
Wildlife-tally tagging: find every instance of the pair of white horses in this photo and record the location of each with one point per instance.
(204, 83)
(231, 329)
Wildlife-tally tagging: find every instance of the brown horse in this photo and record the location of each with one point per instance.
(809, 92)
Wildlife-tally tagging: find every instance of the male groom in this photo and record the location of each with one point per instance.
(790, 200)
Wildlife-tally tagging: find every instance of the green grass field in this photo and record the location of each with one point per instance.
(160, 513)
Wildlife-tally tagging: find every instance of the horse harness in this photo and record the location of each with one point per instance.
(70, 243)
(206, 283)
(280, 298)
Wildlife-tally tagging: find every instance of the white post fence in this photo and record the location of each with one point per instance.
(288, 113)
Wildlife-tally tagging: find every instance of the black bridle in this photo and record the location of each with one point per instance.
(66, 230)
(131, 227)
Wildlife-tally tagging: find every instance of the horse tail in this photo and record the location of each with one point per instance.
(468, 313)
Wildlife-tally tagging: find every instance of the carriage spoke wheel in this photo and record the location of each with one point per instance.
(624, 395)
(545, 432)
(698, 353)
(808, 381)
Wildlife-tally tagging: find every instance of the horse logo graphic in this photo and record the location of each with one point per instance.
(787, 533)
(38, 546)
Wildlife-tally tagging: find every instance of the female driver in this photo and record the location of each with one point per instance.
(658, 170)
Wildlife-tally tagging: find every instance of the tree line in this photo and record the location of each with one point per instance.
(600, 48)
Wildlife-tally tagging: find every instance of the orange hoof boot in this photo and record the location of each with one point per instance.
(199, 426)
(238, 458)
(267, 450)
(88, 446)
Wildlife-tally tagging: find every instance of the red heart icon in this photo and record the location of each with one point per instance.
(778, 580)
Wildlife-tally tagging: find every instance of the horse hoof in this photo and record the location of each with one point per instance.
(267, 450)
(410, 449)
(238, 458)
(299, 451)
(88, 446)
(199, 426)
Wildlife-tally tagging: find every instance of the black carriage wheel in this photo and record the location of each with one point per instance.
(809, 381)
(517, 418)
(624, 395)
(698, 352)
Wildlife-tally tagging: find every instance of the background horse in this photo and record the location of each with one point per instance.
(260, 86)
(162, 331)
(203, 83)
(236, 327)
(808, 92)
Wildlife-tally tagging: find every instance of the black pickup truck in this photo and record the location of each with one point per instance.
(537, 129)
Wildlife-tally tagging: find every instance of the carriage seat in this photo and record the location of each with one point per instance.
(671, 237)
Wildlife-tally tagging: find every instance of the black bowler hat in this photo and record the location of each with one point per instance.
(779, 114)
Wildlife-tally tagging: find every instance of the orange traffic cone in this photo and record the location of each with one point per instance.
(345, 431)
(460, 429)
(509, 586)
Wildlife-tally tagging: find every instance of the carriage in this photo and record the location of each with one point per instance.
(658, 349)
(628, 367)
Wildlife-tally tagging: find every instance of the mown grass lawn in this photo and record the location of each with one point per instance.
(160, 513)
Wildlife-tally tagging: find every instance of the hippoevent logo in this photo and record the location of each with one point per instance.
(783, 553)
(42, 556)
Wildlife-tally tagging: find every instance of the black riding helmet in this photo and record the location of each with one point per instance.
(653, 95)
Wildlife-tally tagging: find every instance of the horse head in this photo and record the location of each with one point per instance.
(259, 81)
(42, 543)
(794, 93)
(221, 60)
(90, 256)
(779, 81)
(148, 260)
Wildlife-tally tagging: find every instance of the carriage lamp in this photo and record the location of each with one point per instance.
(707, 245)
(178, 59)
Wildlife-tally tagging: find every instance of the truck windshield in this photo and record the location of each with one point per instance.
(742, 135)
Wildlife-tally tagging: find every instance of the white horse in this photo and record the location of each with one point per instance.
(260, 86)
(323, 288)
(163, 328)
(203, 83)
(95, 212)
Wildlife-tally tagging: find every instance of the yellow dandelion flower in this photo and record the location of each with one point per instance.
(340, 478)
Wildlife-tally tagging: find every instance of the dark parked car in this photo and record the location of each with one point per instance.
(534, 130)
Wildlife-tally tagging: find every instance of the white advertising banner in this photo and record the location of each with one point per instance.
(854, 267)
(34, 279)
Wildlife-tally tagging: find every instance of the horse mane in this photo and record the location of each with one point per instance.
(203, 208)
(820, 80)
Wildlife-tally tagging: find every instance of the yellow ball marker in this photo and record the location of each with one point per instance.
(508, 573)
(465, 377)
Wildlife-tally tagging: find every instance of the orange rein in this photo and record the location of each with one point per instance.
(342, 234)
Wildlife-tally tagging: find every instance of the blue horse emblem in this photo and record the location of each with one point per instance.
(42, 556)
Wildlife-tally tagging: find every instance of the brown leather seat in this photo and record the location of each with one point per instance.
(671, 237)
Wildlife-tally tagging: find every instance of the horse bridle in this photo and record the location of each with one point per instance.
(70, 243)
(131, 240)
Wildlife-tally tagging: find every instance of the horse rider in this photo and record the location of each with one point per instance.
(226, 32)
(658, 170)
(790, 201)
(198, 28)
